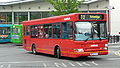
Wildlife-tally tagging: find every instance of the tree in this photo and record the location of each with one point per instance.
(65, 6)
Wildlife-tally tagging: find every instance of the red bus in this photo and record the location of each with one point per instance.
(73, 35)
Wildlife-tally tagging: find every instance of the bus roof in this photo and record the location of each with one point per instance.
(55, 18)
(5, 25)
(17, 25)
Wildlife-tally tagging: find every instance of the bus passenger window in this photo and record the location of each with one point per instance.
(26, 30)
(48, 30)
(67, 30)
(56, 31)
(41, 31)
(4, 31)
(34, 31)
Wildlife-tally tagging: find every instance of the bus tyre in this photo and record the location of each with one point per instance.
(34, 49)
(58, 54)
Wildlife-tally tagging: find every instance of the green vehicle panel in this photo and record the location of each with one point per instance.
(16, 34)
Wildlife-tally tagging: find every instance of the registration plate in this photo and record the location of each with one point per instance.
(93, 53)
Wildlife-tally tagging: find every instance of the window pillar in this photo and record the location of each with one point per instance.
(13, 18)
(28, 16)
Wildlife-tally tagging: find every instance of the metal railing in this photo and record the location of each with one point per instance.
(114, 39)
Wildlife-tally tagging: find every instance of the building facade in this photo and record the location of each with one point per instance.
(115, 17)
(16, 13)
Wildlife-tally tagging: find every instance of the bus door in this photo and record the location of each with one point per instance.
(47, 34)
(67, 36)
(26, 38)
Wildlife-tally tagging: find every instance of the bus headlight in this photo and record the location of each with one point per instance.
(105, 48)
(106, 45)
(78, 50)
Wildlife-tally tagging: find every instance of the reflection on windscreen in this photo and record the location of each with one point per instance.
(4, 30)
(90, 31)
(83, 30)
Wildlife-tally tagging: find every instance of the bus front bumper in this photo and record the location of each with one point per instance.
(79, 54)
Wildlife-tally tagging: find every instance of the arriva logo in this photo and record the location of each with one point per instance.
(68, 18)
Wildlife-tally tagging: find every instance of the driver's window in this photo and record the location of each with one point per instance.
(103, 30)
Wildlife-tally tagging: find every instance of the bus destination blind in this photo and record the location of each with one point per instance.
(91, 17)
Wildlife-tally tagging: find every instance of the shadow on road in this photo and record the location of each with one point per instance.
(89, 58)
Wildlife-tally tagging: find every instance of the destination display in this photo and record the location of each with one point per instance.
(91, 16)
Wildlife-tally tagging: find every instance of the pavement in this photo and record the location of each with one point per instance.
(16, 57)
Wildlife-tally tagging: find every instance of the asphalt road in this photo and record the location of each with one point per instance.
(12, 56)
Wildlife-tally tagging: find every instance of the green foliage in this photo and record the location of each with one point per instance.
(65, 6)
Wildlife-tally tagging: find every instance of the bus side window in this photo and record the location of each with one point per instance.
(41, 31)
(34, 31)
(67, 30)
(26, 30)
(56, 31)
(48, 30)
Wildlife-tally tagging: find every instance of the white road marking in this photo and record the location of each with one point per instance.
(9, 66)
(113, 58)
(114, 46)
(116, 52)
(86, 64)
(45, 65)
(1, 66)
(56, 63)
(60, 65)
(79, 64)
(94, 63)
(71, 64)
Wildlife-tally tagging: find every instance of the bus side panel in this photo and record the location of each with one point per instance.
(48, 46)
(27, 43)
(65, 46)
(45, 46)
(41, 46)
(6, 37)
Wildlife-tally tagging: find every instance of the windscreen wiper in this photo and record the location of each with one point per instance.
(92, 36)
(100, 38)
